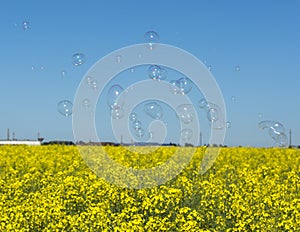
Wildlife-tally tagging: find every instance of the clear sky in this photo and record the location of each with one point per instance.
(262, 38)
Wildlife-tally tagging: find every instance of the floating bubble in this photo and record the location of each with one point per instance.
(212, 114)
(233, 99)
(228, 124)
(276, 126)
(185, 113)
(32, 67)
(276, 131)
(64, 107)
(78, 59)
(136, 125)
(150, 135)
(154, 110)
(156, 72)
(86, 103)
(113, 94)
(140, 132)
(132, 117)
(25, 25)
(237, 68)
(151, 38)
(202, 103)
(119, 59)
(282, 140)
(117, 112)
(274, 134)
(186, 134)
(185, 85)
(94, 84)
(174, 87)
(259, 115)
(63, 73)
(89, 80)
(209, 67)
(42, 67)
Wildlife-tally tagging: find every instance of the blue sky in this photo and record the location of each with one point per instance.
(261, 37)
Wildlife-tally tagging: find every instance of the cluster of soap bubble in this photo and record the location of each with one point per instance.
(115, 102)
(276, 131)
(186, 114)
(181, 86)
(151, 38)
(136, 125)
(92, 82)
(213, 114)
(64, 107)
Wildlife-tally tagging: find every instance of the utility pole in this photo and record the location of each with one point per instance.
(7, 134)
(290, 138)
(200, 139)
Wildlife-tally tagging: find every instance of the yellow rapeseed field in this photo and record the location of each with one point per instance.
(50, 188)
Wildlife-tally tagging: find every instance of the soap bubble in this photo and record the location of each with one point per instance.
(185, 113)
(94, 84)
(113, 94)
(276, 131)
(174, 87)
(86, 103)
(64, 107)
(132, 117)
(154, 110)
(63, 73)
(282, 140)
(237, 68)
(212, 114)
(278, 128)
(186, 134)
(185, 85)
(202, 103)
(117, 112)
(228, 124)
(119, 59)
(156, 72)
(140, 132)
(25, 25)
(89, 80)
(151, 38)
(136, 125)
(78, 59)
(271, 124)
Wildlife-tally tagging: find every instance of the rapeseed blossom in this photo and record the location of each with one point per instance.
(50, 188)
